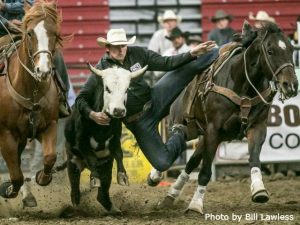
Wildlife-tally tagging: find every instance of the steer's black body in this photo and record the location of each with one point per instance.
(82, 135)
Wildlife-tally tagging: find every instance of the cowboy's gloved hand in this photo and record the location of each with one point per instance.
(203, 48)
(100, 118)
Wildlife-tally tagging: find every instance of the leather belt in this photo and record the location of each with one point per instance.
(136, 116)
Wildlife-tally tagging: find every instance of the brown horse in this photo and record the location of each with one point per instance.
(236, 105)
(29, 96)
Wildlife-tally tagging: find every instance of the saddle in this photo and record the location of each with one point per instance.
(8, 45)
(200, 86)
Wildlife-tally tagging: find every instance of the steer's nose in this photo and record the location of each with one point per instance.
(119, 112)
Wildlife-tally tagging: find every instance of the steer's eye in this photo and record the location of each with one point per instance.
(270, 52)
(107, 89)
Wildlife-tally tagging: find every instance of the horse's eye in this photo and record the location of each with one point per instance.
(107, 89)
(270, 52)
(30, 33)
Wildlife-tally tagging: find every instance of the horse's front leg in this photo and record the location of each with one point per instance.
(12, 156)
(256, 137)
(48, 139)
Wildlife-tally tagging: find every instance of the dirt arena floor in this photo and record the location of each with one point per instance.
(138, 203)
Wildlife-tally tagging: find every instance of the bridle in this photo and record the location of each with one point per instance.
(274, 74)
(32, 56)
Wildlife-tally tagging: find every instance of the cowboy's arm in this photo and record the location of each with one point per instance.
(86, 96)
(157, 62)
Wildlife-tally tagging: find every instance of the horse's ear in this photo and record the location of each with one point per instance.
(246, 28)
(26, 6)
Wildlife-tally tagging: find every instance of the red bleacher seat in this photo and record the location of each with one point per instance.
(87, 20)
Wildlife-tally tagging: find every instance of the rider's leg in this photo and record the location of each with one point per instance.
(145, 129)
(62, 79)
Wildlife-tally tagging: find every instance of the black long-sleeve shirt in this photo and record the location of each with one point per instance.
(139, 92)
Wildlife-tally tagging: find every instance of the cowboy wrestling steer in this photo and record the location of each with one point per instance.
(87, 140)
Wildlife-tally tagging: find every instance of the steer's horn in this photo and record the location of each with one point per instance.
(94, 70)
(139, 72)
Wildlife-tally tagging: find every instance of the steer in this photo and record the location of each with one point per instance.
(94, 146)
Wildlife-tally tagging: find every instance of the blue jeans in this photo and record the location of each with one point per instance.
(165, 91)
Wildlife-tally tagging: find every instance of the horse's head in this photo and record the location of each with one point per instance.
(41, 36)
(115, 83)
(275, 56)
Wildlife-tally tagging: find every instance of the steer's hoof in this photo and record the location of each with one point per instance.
(115, 211)
(261, 196)
(29, 201)
(6, 190)
(151, 182)
(122, 179)
(43, 179)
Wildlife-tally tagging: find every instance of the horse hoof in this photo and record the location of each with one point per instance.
(122, 179)
(29, 201)
(166, 203)
(43, 179)
(260, 196)
(151, 182)
(195, 207)
(6, 190)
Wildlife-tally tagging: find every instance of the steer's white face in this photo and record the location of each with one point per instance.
(116, 82)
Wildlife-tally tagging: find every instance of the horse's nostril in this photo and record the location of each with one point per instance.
(285, 84)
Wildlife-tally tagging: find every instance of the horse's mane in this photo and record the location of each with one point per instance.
(254, 33)
(268, 27)
(44, 9)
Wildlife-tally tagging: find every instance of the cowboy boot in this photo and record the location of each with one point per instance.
(64, 108)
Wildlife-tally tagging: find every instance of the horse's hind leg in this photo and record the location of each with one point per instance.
(183, 178)
(12, 156)
(211, 143)
(48, 137)
(256, 137)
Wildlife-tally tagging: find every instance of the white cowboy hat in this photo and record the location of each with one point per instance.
(115, 37)
(169, 15)
(261, 16)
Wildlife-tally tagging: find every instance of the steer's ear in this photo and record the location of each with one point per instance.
(139, 72)
(94, 70)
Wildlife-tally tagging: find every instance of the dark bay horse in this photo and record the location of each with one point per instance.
(29, 96)
(237, 105)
